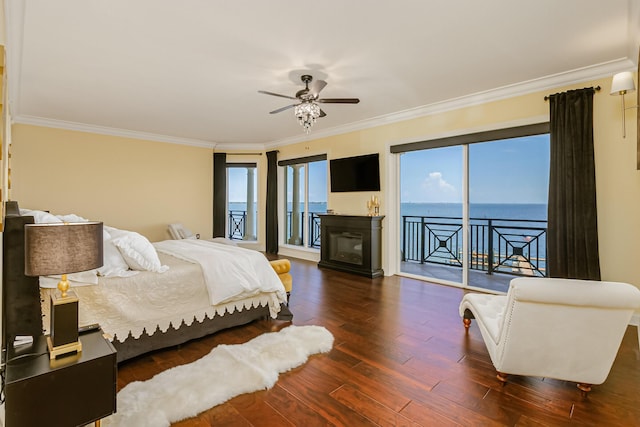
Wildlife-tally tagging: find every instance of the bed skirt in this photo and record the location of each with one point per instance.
(132, 347)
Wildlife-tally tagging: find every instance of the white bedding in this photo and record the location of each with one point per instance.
(230, 272)
(129, 305)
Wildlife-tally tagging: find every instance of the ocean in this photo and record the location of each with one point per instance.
(529, 211)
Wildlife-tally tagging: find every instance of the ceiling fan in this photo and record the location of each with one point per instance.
(307, 109)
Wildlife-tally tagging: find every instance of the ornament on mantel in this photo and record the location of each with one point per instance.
(373, 205)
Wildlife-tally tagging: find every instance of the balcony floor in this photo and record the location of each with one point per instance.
(479, 279)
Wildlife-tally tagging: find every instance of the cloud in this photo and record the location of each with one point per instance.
(436, 183)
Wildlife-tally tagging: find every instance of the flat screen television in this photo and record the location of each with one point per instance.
(360, 173)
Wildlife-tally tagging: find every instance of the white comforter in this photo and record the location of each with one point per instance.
(230, 272)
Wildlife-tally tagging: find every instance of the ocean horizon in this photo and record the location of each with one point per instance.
(523, 211)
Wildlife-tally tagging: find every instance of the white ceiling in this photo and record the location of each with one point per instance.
(189, 71)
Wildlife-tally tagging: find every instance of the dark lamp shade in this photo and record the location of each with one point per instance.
(62, 248)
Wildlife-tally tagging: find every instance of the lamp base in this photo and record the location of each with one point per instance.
(63, 330)
(63, 350)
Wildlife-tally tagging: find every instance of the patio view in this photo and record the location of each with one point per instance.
(505, 228)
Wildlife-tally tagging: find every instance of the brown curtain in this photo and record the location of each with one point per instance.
(572, 241)
(272, 203)
(219, 194)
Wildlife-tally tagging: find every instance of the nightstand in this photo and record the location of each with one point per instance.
(71, 391)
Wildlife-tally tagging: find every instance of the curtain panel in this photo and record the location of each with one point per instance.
(272, 203)
(219, 194)
(572, 236)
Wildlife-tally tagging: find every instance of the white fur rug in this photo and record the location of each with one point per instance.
(229, 370)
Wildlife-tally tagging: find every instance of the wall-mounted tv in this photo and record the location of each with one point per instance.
(360, 173)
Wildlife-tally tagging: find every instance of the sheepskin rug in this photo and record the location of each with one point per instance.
(229, 370)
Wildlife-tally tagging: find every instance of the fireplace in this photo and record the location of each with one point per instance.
(346, 247)
(351, 243)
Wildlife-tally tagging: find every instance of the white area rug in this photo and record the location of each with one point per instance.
(229, 370)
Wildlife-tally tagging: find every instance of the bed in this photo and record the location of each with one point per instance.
(192, 289)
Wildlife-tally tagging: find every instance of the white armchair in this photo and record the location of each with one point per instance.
(555, 328)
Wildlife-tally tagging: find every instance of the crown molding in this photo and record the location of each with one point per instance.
(555, 81)
(103, 130)
(239, 147)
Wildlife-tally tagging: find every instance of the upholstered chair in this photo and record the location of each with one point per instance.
(282, 267)
(555, 328)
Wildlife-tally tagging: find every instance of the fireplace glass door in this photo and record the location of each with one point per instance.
(346, 247)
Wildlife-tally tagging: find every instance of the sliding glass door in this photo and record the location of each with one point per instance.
(508, 192)
(474, 213)
(431, 196)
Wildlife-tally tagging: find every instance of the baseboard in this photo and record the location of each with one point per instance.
(635, 320)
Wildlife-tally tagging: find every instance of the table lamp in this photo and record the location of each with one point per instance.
(63, 248)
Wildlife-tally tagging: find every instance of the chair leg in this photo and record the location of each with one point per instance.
(502, 377)
(467, 323)
(585, 388)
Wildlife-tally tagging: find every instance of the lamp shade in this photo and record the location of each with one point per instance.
(62, 248)
(622, 83)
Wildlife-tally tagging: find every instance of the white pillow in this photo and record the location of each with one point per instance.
(138, 252)
(72, 218)
(40, 217)
(114, 264)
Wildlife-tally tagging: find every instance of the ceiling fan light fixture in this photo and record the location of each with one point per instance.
(307, 113)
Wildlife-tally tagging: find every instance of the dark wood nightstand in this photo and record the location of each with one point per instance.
(71, 391)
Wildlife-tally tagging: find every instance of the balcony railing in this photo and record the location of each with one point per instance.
(237, 224)
(314, 228)
(238, 220)
(511, 246)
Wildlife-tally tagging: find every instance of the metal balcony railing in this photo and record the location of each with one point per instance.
(237, 224)
(314, 228)
(238, 220)
(511, 246)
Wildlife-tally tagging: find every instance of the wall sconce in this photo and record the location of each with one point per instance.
(62, 248)
(621, 84)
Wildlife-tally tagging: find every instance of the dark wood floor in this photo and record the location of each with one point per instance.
(401, 357)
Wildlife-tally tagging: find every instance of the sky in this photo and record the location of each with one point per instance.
(507, 171)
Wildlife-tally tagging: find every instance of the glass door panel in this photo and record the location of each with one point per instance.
(431, 197)
(317, 200)
(295, 185)
(508, 192)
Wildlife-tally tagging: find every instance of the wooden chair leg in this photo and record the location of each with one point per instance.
(585, 388)
(467, 323)
(502, 377)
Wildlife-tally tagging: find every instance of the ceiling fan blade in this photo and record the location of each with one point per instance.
(339, 100)
(276, 94)
(317, 86)
(279, 110)
(322, 113)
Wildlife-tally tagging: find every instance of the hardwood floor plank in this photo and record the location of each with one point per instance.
(322, 403)
(444, 413)
(257, 411)
(295, 411)
(374, 411)
(401, 357)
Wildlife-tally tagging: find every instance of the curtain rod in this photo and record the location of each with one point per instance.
(597, 89)
(244, 154)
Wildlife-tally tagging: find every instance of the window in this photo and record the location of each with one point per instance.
(305, 184)
(242, 201)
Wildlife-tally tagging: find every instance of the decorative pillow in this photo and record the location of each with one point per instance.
(138, 252)
(40, 217)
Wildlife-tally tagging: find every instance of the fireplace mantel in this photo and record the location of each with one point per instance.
(351, 243)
